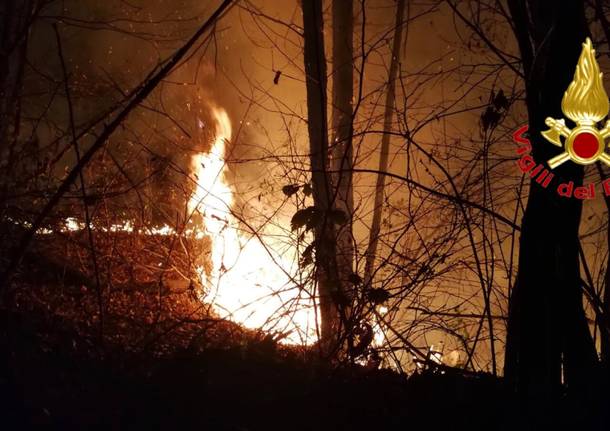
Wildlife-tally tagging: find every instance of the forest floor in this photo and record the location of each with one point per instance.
(203, 373)
(254, 387)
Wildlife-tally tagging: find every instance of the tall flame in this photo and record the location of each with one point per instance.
(585, 100)
(249, 281)
(213, 197)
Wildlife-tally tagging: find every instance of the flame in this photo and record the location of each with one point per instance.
(249, 281)
(213, 197)
(585, 100)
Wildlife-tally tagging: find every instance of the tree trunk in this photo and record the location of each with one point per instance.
(604, 336)
(385, 145)
(548, 339)
(14, 33)
(317, 124)
(342, 153)
(604, 339)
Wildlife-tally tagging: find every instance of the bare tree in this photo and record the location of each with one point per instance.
(342, 128)
(385, 143)
(547, 294)
(327, 276)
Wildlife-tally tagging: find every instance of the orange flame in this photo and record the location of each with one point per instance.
(249, 281)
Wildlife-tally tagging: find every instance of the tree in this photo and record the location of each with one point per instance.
(385, 145)
(17, 18)
(342, 126)
(603, 174)
(327, 276)
(547, 295)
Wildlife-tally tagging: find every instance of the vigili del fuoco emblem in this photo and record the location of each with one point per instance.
(586, 103)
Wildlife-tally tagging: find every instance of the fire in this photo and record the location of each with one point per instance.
(250, 279)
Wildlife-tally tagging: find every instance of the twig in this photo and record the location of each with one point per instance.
(140, 94)
(98, 286)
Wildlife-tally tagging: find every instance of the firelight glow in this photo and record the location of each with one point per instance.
(249, 282)
(250, 279)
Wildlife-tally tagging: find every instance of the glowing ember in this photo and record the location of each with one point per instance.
(249, 281)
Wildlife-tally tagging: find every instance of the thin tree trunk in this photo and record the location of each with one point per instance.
(317, 124)
(16, 21)
(385, 145)
(342, 126)
(548, 339)
(605, 339)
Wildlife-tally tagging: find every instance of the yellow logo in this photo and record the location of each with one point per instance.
(586, 103)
